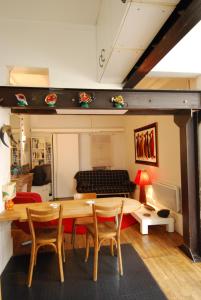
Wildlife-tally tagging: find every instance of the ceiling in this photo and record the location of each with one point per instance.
(186, 65)
(83, 12)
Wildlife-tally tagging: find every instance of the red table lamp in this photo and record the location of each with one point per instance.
(142, 178)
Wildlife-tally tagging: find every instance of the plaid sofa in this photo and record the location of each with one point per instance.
(104, 182)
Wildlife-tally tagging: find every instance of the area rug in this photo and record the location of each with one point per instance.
(137, 282)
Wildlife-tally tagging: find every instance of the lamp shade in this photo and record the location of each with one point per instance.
(142, 178)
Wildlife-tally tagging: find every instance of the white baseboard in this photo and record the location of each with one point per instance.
(178, 222)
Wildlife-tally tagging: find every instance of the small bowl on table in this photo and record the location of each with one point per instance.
(163, 213)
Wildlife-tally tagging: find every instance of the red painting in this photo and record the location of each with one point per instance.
(146, 145)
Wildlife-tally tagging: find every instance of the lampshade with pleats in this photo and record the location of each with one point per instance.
(142, 178)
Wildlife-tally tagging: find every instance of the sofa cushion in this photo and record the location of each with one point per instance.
(41, 175)
(104, 182)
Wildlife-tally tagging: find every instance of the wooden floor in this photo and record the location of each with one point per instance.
(178, 276)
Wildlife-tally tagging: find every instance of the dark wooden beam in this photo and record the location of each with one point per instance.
(190, 184)
(136, 101)
(186, 15)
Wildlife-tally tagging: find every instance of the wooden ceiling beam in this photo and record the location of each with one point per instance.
(136, 101)
(185, 16)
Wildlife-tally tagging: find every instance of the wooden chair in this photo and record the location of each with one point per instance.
(84, 220)
(47, 235)
(103, 231)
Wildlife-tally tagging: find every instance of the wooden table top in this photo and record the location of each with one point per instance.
(71, 208)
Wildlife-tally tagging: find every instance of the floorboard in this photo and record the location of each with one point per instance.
(177, 275)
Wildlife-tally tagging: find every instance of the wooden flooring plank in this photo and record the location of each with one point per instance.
(176, 274)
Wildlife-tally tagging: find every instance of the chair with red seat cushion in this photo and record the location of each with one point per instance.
(30, 197)
(25, 197)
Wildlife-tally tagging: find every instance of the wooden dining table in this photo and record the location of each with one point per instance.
(71, 208)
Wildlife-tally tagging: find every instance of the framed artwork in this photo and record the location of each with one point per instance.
(146, 145)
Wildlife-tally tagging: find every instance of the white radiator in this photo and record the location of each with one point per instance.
(165, 195)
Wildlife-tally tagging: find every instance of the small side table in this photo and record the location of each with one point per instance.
(153, 219)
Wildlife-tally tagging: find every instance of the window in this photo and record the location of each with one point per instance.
(26, 76)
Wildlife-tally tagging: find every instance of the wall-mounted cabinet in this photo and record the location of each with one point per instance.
(110, 21)
(124, 31)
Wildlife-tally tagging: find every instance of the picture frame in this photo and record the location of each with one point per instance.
(146, 145)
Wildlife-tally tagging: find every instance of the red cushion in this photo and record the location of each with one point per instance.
(25, 197)
(127, 221)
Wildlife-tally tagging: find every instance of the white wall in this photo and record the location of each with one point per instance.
(45, 122)
(198, 83)
(25, 139)
(6, 247)
(68, 51)
(4, 152)
(167, 83)
(117, 150)
(168, 137)
(64, 121)
(87, 122)
(168, 170)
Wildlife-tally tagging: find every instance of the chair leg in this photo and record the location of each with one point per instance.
(95, 261)
(116, 221)
(63, 249)
(60, 263)
(36, 253)
(87, 247)
(73, 234)
(111, 247)
(119, 257)
(31, 264)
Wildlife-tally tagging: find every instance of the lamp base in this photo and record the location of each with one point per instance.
(142, 195)
(143, 198)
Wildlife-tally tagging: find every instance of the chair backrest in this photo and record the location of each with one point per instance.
(42, 216)
(84, 196)
(100, 211)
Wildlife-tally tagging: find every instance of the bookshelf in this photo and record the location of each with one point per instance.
(16, 152)
(41, 151)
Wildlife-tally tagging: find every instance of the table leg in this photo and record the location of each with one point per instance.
(143, 228)
(170, 227)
